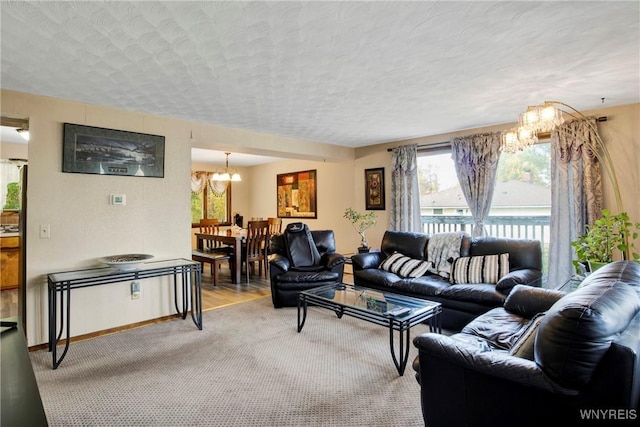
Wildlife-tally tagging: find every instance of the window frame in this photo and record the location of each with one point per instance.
(205, 207)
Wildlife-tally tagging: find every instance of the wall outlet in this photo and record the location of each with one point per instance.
(45, 231)
(135, 290)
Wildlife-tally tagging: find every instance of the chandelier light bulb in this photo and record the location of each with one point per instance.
(226, 175)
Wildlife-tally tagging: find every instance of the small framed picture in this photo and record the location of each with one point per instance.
(374, 188)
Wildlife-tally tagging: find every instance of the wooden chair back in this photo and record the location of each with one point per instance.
(256, 244)
(275, 226)
(210, 226)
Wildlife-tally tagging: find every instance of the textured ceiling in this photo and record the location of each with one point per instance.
(346, 73)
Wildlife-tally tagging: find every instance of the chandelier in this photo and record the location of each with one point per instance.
(537, 119)
(225, 175)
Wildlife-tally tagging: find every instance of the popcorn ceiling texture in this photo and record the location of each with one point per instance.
(346, 73)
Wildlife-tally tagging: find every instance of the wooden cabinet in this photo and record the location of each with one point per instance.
(9, 265)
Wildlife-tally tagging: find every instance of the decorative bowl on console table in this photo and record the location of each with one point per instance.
(126, 261)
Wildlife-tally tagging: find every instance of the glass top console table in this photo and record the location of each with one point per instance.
(185, 272)
(396, 312)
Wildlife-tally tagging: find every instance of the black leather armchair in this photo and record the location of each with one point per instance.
(577, 364)
(302, 259)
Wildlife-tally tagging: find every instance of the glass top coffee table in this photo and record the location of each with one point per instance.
(396, 312)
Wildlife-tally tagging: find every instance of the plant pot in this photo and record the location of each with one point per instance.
(594, 265)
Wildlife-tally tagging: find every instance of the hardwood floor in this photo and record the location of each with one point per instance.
(227, 293)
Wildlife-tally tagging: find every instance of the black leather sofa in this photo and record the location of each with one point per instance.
(302, 259)
(460, 302)
(544, 358)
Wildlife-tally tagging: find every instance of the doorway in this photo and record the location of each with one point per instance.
(13, 205)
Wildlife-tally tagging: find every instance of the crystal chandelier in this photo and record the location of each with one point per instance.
(225, 175)
(536, 119)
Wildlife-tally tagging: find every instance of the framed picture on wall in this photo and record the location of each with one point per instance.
(374, 188)
(297, 194)
(93, 150)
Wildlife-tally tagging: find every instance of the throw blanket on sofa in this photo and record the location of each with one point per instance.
(442, 250)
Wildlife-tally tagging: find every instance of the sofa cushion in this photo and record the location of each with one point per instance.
(479, 293)
(404, 266)
(480, 269)
(411, 244)
(376, 278)
(527, 301)
(525, 343)
(498, 327)
(425, 286)
(578, 329)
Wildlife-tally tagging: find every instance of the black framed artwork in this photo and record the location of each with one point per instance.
(94, 150)
(374, 188)
(297, 194)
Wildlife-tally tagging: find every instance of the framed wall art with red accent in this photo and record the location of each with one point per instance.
(297, 194)
(374, 188)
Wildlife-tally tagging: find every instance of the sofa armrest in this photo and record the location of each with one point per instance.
(526, 276)
(499, 364)
(331, 260)
(527, 301)
(279, 263)
(367, 260)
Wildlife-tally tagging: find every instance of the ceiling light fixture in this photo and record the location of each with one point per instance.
(226, 175)
(23, 133)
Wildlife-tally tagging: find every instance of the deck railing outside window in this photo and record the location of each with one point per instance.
(519, 227)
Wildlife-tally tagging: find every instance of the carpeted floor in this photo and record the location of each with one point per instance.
(247, 367)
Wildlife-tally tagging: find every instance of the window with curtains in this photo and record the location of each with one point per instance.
(210, 199)
(521, 205)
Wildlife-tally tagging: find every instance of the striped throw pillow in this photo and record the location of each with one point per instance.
(404, 266)
(480, 269)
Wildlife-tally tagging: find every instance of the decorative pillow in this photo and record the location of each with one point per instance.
(404, 266)
(524, 345)
(480, 269)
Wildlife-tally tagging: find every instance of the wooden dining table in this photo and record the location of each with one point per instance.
(234, 240)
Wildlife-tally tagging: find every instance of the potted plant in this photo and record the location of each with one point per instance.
(609, 233)
(361, 222)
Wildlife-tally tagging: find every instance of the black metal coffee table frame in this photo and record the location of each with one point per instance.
(422, 311)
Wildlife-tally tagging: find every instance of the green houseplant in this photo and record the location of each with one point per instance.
(608, 234)
(361, 222)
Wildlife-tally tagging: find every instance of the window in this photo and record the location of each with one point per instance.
(521, 204)
(210, 199)
(522, 184)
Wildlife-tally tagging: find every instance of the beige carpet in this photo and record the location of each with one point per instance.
(247, 367)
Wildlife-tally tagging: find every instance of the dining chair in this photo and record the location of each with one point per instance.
(212, 226)
(275, 229)
(275, 226)
(255, 247)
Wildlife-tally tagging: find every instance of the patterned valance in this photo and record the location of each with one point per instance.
(199, 179)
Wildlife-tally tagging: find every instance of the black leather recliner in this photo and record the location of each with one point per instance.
(302, 259)
(577, 364)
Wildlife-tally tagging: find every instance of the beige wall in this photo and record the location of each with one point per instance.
(156, 219)
(13, 151)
